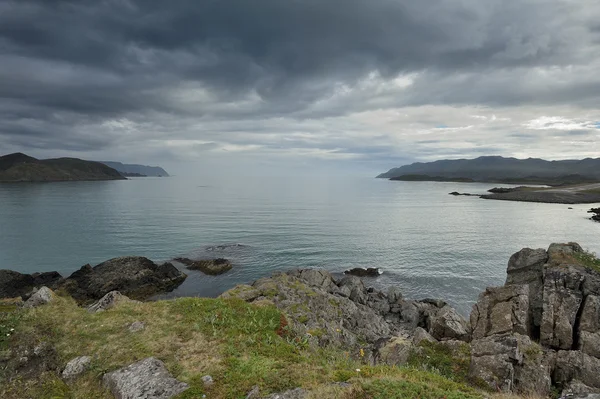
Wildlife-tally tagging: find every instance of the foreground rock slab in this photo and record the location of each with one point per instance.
(41, 297)
(147, 379)
(134, 276)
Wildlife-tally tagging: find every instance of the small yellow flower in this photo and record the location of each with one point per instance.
(362, 352)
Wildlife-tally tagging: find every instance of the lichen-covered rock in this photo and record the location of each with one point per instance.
(41, 297)
(527, 267)
(31, 361)
(589, 326)
(420, 335)
(501, 310)
(563, 296)
(76, 367)
(510, 363)
(576, 365)
(134, 276)
(577, 389)
(108, 301)
(136, 326)
(147, 379)
(396, 351)
(446, 323)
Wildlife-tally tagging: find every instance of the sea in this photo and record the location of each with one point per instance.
(425, 241)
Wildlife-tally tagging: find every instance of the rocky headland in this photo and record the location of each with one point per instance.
(18, 167)
(305, 334)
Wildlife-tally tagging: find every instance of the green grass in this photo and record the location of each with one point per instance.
(441, 359)
(239, 344)
(588, 259)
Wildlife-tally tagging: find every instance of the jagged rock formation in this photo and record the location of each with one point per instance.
(540, 331)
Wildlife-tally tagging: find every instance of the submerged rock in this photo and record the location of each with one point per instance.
(136, 277)
(211, 267)
(146, 379)
(362, 272)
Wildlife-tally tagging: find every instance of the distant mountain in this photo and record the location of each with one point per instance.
(500, 169)
(19, 167)
(137, 170)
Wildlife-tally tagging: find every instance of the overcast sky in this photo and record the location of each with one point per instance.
(369, 84)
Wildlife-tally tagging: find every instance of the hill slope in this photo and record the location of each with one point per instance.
(137, 170)
(19, 167)
(500, 169)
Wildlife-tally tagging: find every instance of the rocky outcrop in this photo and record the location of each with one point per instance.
(14, 284)
(550, 296)
(146, 379)
(136, 277)
(213, 267)
(372, 324)
(596, 214)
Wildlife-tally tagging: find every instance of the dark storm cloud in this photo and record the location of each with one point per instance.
(206, 69)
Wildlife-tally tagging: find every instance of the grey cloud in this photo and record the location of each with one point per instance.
(215, 71)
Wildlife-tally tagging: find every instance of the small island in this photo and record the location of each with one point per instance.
(18, 167)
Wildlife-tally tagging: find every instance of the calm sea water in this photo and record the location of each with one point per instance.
(427, 242)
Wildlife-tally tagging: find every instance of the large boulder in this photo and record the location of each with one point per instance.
(14, 284)
(147, 379)
(446, 324)
(41, 297)
(527, 267)
(136, 277)
(589, 326)
(563, 296)
(501, 310)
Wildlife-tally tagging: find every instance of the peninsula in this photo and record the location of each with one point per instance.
(134, 170)
(495, 169)
(19, 167)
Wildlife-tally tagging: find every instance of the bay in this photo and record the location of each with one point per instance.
(427, 242)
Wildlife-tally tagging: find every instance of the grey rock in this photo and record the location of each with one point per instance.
(41, 297)
(577, 389)
(136, 277)
(562, 249)
(501, 310)
(510, 363)
(527, 267)
(147, 379)
(14, 284)
(297, 393)
(108, 301)
(396, 351)
(31, 361)
(254, 393)
(317, 278)
(362, 272)
(446, 323)
(136, 326)
(420, 335)
(243, 291)
(207, 380)
(394, 295)
(562, 299)
(576, 365)
(76, 367)
(355, 288)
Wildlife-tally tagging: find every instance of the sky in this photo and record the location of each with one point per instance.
(299, 84)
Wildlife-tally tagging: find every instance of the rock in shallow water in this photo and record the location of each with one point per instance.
(362, 272)
(211, 267)
(136, 277)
